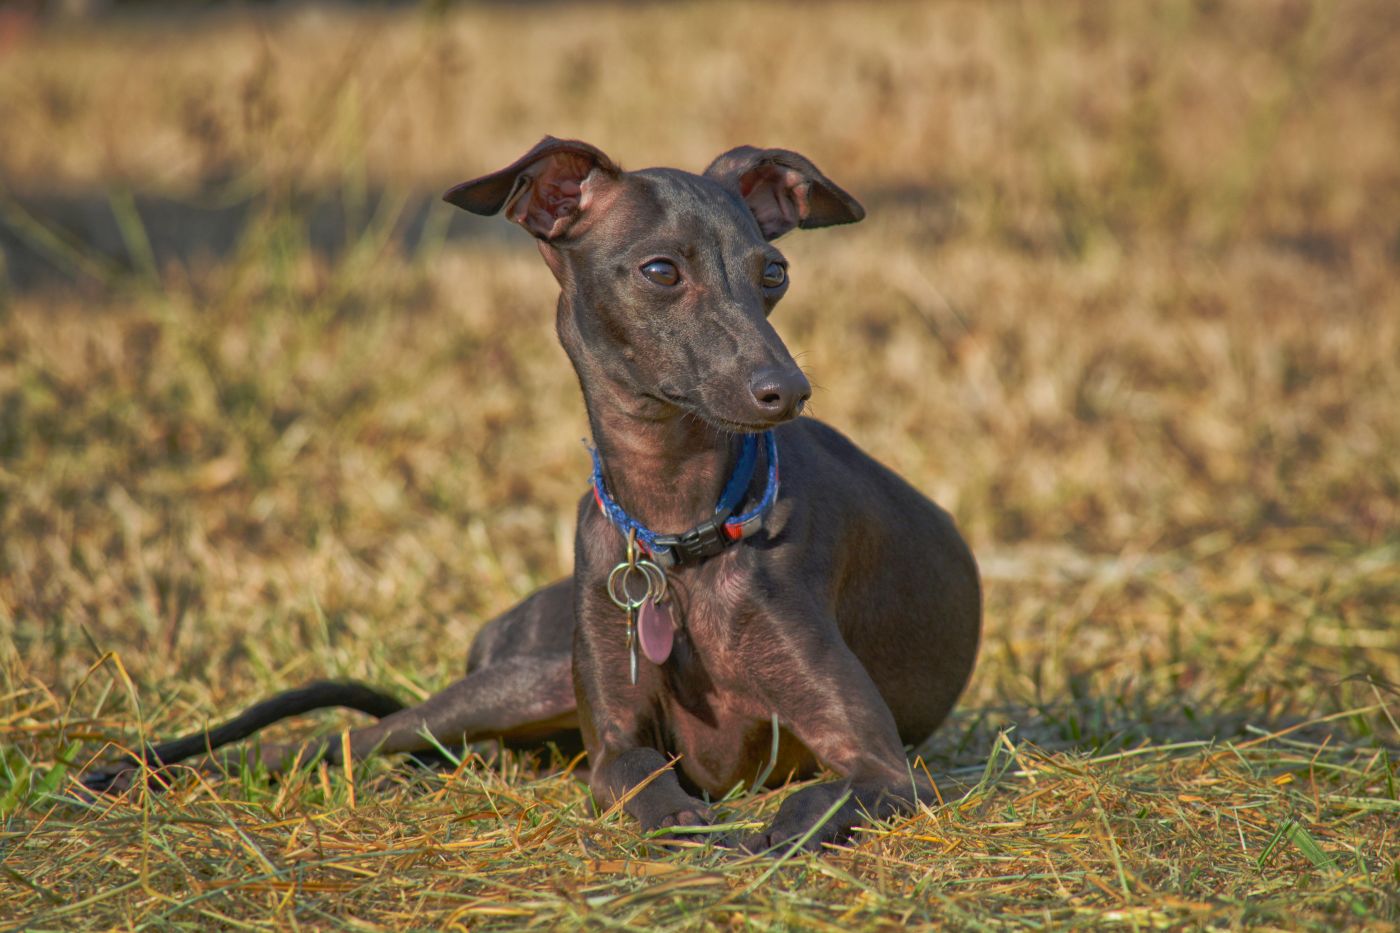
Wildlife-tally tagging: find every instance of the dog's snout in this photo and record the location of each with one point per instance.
(780, 394)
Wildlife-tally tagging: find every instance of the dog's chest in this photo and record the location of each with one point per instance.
(726, 745)
(716, 717)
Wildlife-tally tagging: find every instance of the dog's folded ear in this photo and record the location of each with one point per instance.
(784, 190)
(544, 191)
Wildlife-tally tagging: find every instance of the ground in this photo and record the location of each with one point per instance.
(1127, 302)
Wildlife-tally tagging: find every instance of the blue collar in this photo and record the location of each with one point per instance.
(713, 535)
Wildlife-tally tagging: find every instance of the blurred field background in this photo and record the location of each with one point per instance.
(1127, 302)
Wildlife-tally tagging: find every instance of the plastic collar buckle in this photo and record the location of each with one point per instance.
(690, 547)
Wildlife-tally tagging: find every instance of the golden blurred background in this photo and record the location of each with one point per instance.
(1127, 301)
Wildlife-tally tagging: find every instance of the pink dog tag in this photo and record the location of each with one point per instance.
(655, 631)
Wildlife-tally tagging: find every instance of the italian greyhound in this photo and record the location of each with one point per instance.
(796, 605)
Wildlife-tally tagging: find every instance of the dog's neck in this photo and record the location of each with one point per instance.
(667, 468)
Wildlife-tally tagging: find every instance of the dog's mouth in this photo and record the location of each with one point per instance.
(716, 420)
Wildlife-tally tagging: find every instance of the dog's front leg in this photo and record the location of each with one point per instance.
(621, 733)
(661, 802)
(825, 697)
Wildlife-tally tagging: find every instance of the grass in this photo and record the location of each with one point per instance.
(1127, 302)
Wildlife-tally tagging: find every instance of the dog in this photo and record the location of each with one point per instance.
(753, 597)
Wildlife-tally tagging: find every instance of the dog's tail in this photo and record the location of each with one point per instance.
(323, 694)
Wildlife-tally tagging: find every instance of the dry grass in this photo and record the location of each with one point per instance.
(1128, 302)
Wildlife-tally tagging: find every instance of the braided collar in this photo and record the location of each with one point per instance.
(713, 535)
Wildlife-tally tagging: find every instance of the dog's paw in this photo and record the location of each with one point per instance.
(670, 826)
(777, 841)
(691, 816)
(697, 815)
(811, 818)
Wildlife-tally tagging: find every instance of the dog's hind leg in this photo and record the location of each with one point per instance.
(519, 688)
(516, 699)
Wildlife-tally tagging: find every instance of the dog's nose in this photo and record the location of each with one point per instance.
(780, 394)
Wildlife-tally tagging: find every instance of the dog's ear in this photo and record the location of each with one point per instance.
(784, 190)
(544, 191)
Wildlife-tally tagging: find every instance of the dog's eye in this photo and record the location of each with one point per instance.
(774, 276)
(662, 272)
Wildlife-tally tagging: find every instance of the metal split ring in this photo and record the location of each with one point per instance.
(620, 584)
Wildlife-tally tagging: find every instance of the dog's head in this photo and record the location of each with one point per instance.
(669, 277)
